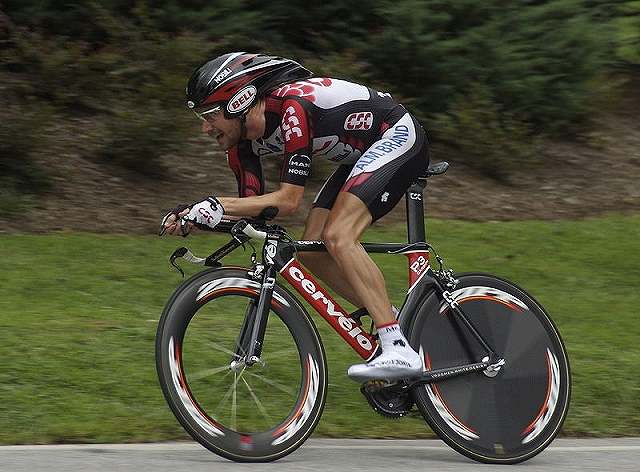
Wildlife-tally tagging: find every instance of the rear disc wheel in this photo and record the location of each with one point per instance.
(506, 417)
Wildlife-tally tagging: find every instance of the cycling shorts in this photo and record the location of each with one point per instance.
(384, 172)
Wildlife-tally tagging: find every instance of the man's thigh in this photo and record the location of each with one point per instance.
(314, 226)
(349, 217)
(349, 214)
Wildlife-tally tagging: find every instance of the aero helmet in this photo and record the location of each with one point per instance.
(233, 81)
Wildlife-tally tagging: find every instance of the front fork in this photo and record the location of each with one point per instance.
(251, 338)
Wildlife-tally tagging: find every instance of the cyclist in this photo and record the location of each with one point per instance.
(259, 106)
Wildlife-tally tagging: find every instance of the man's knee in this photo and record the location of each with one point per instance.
(336, 239)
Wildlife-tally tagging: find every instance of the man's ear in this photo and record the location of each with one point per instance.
(258, 107)
(256, 118)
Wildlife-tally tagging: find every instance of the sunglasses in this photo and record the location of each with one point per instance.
(208, 115)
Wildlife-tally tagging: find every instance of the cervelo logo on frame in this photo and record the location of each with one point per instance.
(271, 248)
(346, 323)
(362, 120)
(242, 99)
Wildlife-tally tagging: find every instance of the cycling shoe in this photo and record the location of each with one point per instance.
(392, 364)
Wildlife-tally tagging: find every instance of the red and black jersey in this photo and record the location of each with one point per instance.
(318, 118)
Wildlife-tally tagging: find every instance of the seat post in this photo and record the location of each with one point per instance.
(415, 211)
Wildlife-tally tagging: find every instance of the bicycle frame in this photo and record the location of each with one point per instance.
(278, 256)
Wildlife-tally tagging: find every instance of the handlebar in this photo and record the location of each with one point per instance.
(243, 226)
(247, 226)
(242, 230)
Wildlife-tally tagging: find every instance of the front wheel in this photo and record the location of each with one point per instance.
(509, 417)
(257, 412)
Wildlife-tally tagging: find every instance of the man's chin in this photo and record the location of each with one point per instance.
(225, 143)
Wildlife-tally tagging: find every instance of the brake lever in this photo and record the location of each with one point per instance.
(181, 251)
(187, 255)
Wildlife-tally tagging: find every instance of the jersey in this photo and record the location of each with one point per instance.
(358, 128)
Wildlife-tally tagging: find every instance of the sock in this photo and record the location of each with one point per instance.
(391, 337)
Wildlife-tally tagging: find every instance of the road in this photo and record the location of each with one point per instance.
(619, 455)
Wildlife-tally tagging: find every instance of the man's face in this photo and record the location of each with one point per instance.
(226, 132)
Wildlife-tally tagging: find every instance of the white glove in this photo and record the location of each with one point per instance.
(205, 214)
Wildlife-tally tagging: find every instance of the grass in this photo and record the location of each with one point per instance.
(78, 313)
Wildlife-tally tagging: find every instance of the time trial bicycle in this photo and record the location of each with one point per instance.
(243, 368)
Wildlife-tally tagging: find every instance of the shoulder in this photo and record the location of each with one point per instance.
(302, 88)
(323, 92)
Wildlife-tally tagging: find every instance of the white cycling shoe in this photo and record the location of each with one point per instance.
(392, 364)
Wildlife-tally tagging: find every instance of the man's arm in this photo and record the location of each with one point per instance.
(296, 168)
(247, 168)
(286, 199)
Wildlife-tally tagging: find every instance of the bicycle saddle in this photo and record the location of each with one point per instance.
(436, 169)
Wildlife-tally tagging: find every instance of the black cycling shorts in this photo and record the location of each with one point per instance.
(384, 172)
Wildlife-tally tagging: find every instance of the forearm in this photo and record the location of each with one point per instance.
(253, 205)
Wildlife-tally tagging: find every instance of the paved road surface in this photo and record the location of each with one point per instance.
(328, 455)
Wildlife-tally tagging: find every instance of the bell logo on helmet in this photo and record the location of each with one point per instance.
(242, 99)
(190, 104)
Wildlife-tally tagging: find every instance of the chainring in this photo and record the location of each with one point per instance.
(385, 401)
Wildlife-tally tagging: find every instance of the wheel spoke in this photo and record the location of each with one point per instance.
(207, 372)
(234, 404)
(258, 403)
(223, 349)
(231, 389)
(278, 385)
(284, 353)
(243, 411)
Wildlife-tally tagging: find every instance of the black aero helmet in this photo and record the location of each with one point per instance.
(233, 81)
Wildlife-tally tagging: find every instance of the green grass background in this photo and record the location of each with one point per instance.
(78, 314)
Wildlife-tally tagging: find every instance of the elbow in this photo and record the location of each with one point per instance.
(289, 198)
(287, 208)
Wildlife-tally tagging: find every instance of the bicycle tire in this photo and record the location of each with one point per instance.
(516, 414)
(263, 415)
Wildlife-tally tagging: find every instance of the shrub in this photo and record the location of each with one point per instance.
(531, 67)
(486, 138)
(21, 173)
(136, 139)
(133, 87)
(537, 59)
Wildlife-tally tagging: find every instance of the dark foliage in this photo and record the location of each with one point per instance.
(488, 77)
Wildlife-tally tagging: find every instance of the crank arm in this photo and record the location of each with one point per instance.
(449, 372)
(437, 375)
